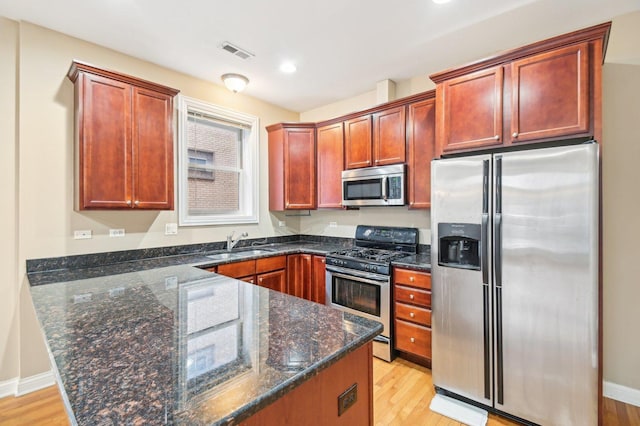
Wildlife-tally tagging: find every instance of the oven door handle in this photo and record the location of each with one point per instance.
(360, 278)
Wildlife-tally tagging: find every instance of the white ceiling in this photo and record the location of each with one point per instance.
(341, 47)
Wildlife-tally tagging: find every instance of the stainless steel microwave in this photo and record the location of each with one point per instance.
(374, 186)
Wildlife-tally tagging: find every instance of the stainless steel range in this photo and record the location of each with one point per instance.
(358, 279)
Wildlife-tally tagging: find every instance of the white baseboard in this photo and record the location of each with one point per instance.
(8, 387)
(19, 387)
(34, 383)
(621, 393)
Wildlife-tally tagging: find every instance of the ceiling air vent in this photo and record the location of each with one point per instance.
(235, 50)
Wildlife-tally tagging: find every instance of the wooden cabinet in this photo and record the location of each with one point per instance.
(330, 163)
(357, 142)
(318, 279)
(546, 91)
(124, 140)
(412, 313)
(267, 272)
(375, 139)
(389, 136)
(299, 275)
(292, 166)
(421, 137)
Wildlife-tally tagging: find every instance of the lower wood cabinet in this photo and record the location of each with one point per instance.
(299, 275)
(412, 313)
(275, 280)
(269, 272)
(318, 279)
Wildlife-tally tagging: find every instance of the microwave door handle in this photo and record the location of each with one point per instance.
(385, 187)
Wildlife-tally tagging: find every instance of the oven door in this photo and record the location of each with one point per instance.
(364, 294)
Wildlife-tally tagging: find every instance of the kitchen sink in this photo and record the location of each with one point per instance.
(238, 254)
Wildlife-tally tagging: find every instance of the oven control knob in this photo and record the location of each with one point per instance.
(374, 268)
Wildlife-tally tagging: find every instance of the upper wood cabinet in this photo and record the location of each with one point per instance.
(389, 136)
(421, 128)
(124, 140)
(375, 139)
(357, 142)
(292, 166)
(546, 91)
(330, 163)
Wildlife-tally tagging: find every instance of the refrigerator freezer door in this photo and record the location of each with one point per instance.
(549, 291)
(461, 330)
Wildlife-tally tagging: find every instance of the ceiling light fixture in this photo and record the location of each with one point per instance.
(288, 67)
(235, 82)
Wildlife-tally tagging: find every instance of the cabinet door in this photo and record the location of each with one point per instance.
(318, 279)
(330, 161)
(550, 94)
(152, 150)
(421, 152)
(275, 280)
(104, 143)
(241, 269)
(300, 166)
(299, 275)
(389, 136)
(357, 142)
(471, 107)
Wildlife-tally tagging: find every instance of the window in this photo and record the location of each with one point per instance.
(217, 165)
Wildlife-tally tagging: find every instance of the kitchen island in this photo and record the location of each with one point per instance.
(179, 345)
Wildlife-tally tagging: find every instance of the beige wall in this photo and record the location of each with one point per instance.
(44, 154)
(9, 329)
(621, 196)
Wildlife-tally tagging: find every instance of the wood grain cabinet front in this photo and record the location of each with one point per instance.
(124, 141)
(330, 163)
(412, 314)
(292, 166)
(421, 127)
(550, 90)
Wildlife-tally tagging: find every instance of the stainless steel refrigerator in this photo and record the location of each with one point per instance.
(514, 255)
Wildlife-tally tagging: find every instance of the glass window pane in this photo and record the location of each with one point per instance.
(221, 195)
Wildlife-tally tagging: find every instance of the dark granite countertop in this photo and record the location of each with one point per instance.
(179, 345)
(419, 262)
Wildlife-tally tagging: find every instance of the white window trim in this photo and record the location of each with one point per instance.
(250, 202)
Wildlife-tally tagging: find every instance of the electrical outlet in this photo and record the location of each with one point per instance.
(170, 282)
(281, 223)
(82, 298)
(171, 229)
(333, 224)
(82, 235)
(347, 399)
(115, 292)
(116, 232)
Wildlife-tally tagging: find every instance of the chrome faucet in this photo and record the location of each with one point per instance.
(231, 243)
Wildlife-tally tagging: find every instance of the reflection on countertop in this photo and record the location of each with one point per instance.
(182, 345)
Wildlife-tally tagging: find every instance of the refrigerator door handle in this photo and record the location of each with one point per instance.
(487, 353)
(484, 264)
(499, 354)
(498, 249)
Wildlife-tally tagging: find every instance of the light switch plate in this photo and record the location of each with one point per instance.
(333, 224)
(171, 229)
(82, 235)
(116, 232)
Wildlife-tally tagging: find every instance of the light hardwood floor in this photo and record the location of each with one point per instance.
(402, 392)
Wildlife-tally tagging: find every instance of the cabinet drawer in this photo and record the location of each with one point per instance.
(413, 296)
(412, 278)
(415, 314)
(413, 338)
(238, 269)
(267, 264)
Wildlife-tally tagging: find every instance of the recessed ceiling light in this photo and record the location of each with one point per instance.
(288, 67)
(440, 1)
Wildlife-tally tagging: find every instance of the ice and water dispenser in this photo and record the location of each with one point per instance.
(459, 245)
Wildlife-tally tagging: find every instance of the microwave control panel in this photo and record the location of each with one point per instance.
(395, 187)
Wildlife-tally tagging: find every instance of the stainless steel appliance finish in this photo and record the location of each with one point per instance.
(519, 332)
(374, 186)
(358, 279)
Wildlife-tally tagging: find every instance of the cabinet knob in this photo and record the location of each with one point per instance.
(411, 296)
(412, 315)
(324, 261)
(412, 340)
(136, 202)
(497, 137)
(412, 279)
(128, 202)
(260, 280)
(515, 134)
(251, 281)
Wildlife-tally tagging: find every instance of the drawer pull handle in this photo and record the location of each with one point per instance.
(260, 280)
(412, 340)
(412, 279)
(497, 137)
(515, 134)
(412, 315)
(411, 296)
